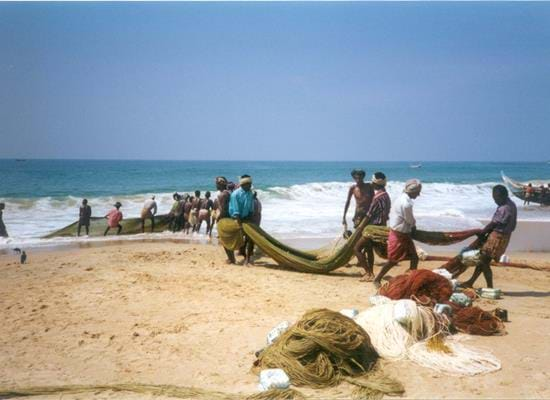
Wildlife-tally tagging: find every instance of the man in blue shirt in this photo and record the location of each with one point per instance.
(241, 202)
(241, 208)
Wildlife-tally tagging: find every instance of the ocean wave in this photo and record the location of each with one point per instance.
(297, 211)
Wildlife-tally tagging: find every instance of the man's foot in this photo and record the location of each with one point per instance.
(376, 284)
(229, 262)
(367, 278)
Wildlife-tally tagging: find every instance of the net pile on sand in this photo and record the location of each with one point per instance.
(475, 321)
(421, 285)
(420, 335)
(325, 348)
(428, 288)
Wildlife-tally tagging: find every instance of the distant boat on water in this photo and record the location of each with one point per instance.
(415, 165)
(539, 196)
(20, 159)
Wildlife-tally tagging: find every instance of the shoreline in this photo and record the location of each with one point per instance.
(529, 237)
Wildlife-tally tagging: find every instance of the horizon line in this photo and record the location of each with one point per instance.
(264, 160)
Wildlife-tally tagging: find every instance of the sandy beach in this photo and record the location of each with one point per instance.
(170, 313)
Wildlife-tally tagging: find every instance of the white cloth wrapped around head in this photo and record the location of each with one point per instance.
(413, 186)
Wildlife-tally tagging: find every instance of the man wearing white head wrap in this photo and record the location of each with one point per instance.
(413, 186)
(402, 227)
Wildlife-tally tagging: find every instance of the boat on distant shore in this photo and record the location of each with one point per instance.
(415, 165)
(540, 196)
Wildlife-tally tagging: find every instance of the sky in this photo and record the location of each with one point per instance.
(275, 81)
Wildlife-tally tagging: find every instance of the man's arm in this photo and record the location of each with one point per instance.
(350, 193)
(408, 215)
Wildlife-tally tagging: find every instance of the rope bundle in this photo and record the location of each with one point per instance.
(423, 286)
(325, 348)
(475, 321)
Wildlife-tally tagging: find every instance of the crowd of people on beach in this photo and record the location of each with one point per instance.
(187, 214)
(372, 207)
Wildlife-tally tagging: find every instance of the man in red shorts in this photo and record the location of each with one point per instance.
(402, 227)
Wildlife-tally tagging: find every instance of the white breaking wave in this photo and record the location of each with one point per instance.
(298, 211)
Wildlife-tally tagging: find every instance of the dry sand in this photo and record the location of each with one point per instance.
(167, 313)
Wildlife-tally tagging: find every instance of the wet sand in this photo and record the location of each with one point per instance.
(172, 313)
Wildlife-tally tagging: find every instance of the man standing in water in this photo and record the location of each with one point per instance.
(241, 208)
(223, 209)
(149, 211)
(194, 213)
(378, 214)
(113, 219)
(402, 227)
(363, 193)
(499, 232)
(206, 205)
(3, 231)
(84, 215)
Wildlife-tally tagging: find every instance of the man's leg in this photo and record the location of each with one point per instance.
(106, 231)
(488, 274)
(385, 268)
(230, 256)
(119, 229)
(152, 223)
(143, 225)
(370, 255)
(249, 251)
(362, 260)
(87, 226)
(414, 261)
(484, 262)
(208, 226)
(78, 231)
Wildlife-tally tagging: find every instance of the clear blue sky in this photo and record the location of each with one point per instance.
(290, 81)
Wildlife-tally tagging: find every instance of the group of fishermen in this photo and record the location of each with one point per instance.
(187, 213)
(373, 204)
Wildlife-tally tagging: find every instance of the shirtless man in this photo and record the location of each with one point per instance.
(205, 209)
(188, 205)
(194, 215)
(363, 193)
(149, 211)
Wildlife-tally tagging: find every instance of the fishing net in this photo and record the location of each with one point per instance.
(321, 260)
(475, 321)
(180, 392)
(130, 226)
(325, 348)
(420, 335)
(318, 261)
(421, 285)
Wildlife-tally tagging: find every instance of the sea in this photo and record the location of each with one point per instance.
(301, 200)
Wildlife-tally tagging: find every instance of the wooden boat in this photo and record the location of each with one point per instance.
(518, 189)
